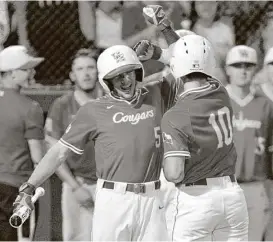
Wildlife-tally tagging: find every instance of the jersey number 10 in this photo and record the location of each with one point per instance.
(223, 131)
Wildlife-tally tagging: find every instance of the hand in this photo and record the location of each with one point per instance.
(155, 15)
(144, 50)
(84, 197)
(24, 198)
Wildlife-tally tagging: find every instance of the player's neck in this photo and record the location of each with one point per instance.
(83, 97)
(240, 92)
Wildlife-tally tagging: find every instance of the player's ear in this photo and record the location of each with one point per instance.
(72, 76)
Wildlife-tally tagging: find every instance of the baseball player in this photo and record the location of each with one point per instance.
(265, 89)
(125, 127)
(21, 136)
(78, 173)
(253, 133)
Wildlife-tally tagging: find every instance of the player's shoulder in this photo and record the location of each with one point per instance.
(179, 114)
(29, 104)
(64, 100)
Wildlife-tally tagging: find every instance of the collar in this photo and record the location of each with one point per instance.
(80, 98)
(240, 101)
(195, 90)
(139, 93)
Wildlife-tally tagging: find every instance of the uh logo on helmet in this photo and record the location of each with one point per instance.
(116, 60)
(192, 53)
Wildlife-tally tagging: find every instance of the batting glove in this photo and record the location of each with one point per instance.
(145, 50)
(155, 15)
(26, 192)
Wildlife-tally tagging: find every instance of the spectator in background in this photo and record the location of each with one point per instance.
(253, 136)
(4, 23)
(54, 29)
(79, 172)
(206, 21)
(21, 133)
(108, 24)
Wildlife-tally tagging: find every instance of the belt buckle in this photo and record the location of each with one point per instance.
(139, 188)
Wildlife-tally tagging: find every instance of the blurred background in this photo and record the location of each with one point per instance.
(55, 30)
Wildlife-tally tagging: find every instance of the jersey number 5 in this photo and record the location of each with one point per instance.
(157, 136)
(222, 129)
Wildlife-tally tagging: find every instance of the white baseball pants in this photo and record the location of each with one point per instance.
(121, 215)
(213, 212)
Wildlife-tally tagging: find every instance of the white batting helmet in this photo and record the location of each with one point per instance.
(116, 60)
(192, 53)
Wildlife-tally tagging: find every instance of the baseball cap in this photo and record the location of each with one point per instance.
(241, 54)
(268, 57)
(17, 57)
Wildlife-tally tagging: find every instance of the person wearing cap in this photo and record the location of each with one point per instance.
(253, 134)
(78, 173)
(264, 87)
(21, 132)
(264, 79)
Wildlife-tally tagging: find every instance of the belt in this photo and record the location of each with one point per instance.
(132, 187)
(203, 182)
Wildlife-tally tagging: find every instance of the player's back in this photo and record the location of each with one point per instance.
(204, 115)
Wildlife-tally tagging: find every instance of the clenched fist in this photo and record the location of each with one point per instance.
(145, 50)
(155, 15)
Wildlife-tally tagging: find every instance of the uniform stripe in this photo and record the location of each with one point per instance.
(176, 153)
(71, 147)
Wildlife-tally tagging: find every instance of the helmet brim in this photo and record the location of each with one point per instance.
(121, 70)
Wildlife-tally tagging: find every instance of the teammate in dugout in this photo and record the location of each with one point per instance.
(253, 136)
(78, 173)
(125, 127)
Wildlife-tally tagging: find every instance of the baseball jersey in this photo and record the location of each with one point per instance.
(61, 114)
(199, 128)
(21, 120)
(253, 132)
(127, 136)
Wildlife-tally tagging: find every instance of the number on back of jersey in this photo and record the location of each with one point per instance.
(222, 125)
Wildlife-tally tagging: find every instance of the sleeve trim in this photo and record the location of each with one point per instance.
(71, 147)
(177, 153)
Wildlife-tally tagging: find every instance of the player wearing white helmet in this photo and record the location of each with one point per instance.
(199, 153)
(125, 128)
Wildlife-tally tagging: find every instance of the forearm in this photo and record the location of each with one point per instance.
(47, 166)
(170, 35)
(66, 176)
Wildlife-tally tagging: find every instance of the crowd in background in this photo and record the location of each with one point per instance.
(56, 30)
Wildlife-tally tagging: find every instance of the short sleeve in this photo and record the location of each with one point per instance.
(54, 123)
(80, 131)
(34, 122)
(175, 140)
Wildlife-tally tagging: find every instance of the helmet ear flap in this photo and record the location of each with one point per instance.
(139, 75)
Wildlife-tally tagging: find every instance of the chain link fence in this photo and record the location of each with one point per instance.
(54, 30)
